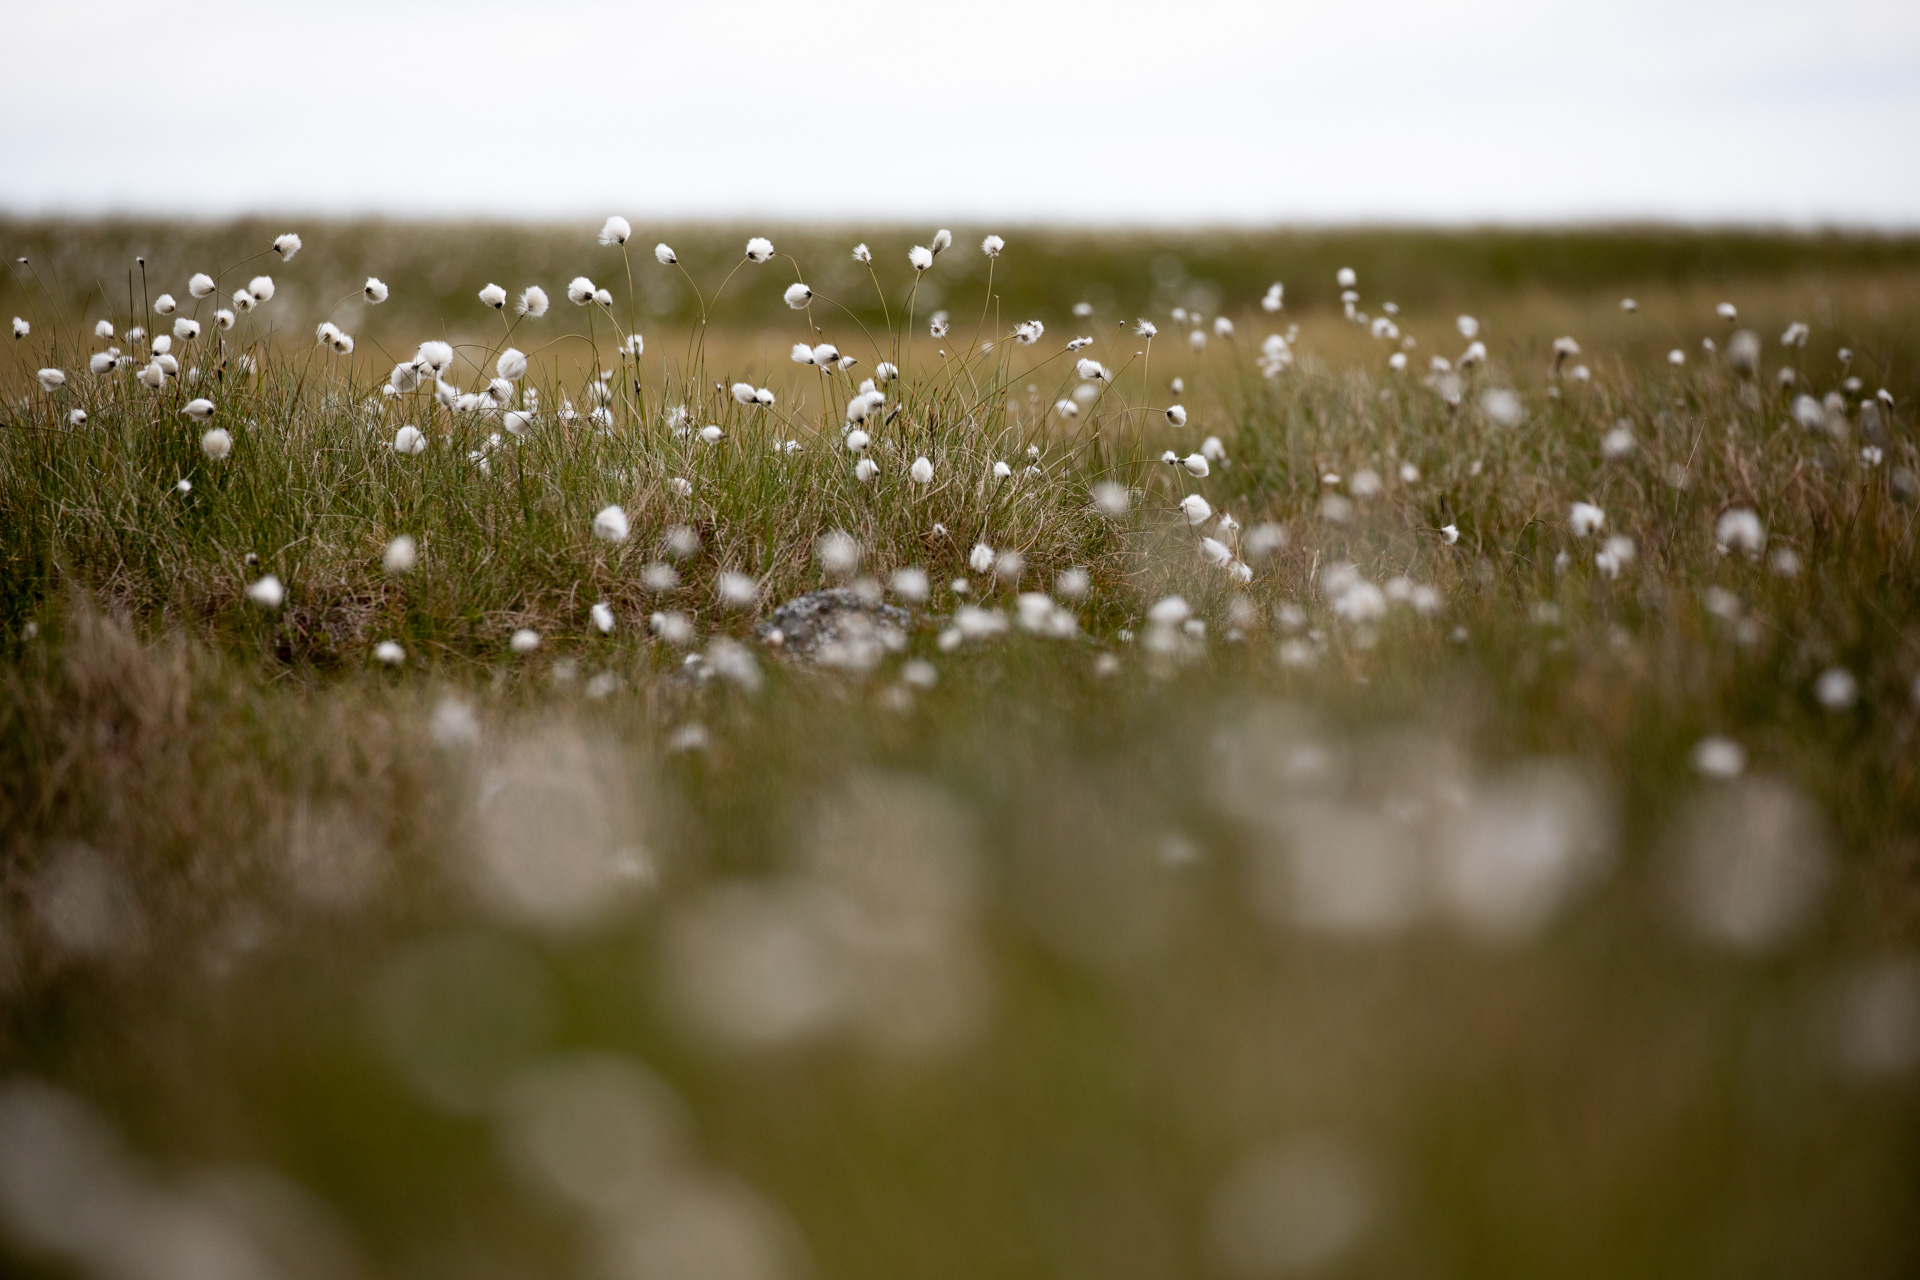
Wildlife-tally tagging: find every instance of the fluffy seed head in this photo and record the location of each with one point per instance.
(165, 305)
(1585, 519)
(286, 246)
(615, 230)
(992, 246)
(610, 525)
(920, 257)
(217, 443)
(200, 285)
(494, 296)
(1177, 415)
(267, 592)
(664, 255)
(759, 249)
(922, 470)
(185, 329)
(199, 410)
(375, 290)
(580, 291)
(512, 364)
(798, 296)
(1196, 509)
(261, 287)
(401, 555)
(409, 441)
(21, 328)
(52, 379)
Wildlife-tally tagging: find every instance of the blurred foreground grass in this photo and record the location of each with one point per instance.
(1443, 900)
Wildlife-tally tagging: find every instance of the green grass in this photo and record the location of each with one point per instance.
(1016, 975)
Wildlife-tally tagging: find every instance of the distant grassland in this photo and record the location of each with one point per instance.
(1505, 864)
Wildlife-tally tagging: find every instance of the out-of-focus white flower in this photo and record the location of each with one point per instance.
(602, 615)
(1093, 371)
(920, 257)
(1719, 758)
(512, 364)
(21, 328)
(52, 380)
(401, 555)
(217, 443)
(615, 230)
(1196, 509)
(1739, 529)
(980, 559)
(410, 440)
(1615, 555)
(1585, 519)
(1726, 311)
(922, 470)
(937, 326)
(286, 246)
(375, 290)
(102, 330)
(865, 470)
(1001, 471)
(261, 287)
(941, 240)
(389, 653)
(759, 249)
(1177, 415)
(610, 524)
(267, 592)
(524, 641)
(603, 297)
(1450, 533)
(736, 590)
(1275, 297)
(1676, 357)
(1836, 689)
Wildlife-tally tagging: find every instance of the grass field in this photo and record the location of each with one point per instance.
(1479, 837)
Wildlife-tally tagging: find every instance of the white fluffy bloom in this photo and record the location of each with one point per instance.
(580, 291)
(798, 296)
(602, 615)
(200, 285)
(802, 353)
(223, 319)
(401, 555)
(759, 249)
(922, 470)
(992, 246)
(1346, 278)
(635, 345)
(389, 653)
(1177, 415)
(261, 287)
(1028, 333)
(1616, 554)
(410, 440)
(103, 330)
(524, 641)
(941, 240)
(1195, 464)
(862, 254)
(375, 290)
(664, 255)
(152, 376)
(1275, 297)
(217, 443)
(200, 410)
(103, 362)
(512, 364)
(743, 392)
(981, 558)
(185, 329)
(825, 355)
(857, 441)
(494, 296)
(286, 246)
(1145, 328)
(1585, 519)
(865, 470)
(533, 302)
(21, 328)
(1066, 409)
(937, 326)
(52, 379)
(165, 305)
(615, 230)
(736, 590)
(920, 257)
(1001, 471)
(1740, 530)
(1093, 371)
(603, 297)
(245, 301)
(610, 525)
(267, 592)
(1196, 508)
(1836, 689)
(1726, 311)
(437, 356)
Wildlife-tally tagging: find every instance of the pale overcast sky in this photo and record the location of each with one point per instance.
(1170, 112)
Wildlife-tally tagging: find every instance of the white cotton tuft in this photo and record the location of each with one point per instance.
(1585, 519)
(1195, 465)
(223, 319)
(802, 353)
(1196, 508)
(826, 355)
(494, 296)
(922, 470)
(610, 524)
(437, 356)
(524, 641)
(580, 291)
(267, 592)
(798, 296)
(410, 441)
(1346, 278)
(286, 246)
(199, 410)
(664, 255)
(920, 257)
(102, 330)
(401, 555)
(200, 285)
(512, 364)
(981, 558)
(1177, 415)
(942, 239)
(389, 653)
(857, 441)
(375, 290)
(165, 305)
(992, 246)
(759, 249)
(1093, 371)
(262, 288)
(602, 615)
(615, 230)
(217, 443)
(52, 380)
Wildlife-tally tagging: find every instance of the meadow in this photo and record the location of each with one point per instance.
(1351, 752)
